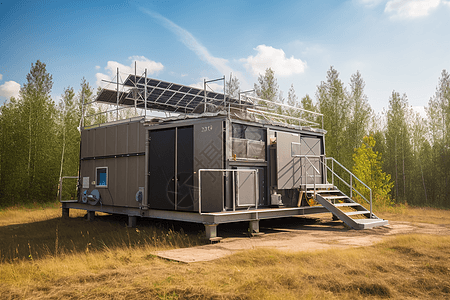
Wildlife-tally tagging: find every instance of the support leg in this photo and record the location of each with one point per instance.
(65, 212)
(211, 232)
(132, 221)
(253, 227)
(90, 215)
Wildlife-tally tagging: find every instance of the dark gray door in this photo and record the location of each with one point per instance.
(185, 169)
(171, 152)
(162, 169)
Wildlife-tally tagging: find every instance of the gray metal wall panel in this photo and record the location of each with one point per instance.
(125, 174)
(140, 173)
(91, 143)
(87, 170)
(246, 189)
(132, 174)
(122, 139)
(141, 138)
(208, 154)
(111, 140)
(133, 137)
(85, 147)
(121, 180)
(311, 146)
(109, 195)
(100, 141)
(288, 167)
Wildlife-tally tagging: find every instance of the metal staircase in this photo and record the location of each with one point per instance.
(350, 212)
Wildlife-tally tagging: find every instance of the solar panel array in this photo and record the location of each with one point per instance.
(162, 95)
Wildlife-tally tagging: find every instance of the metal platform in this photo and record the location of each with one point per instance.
(204, 218)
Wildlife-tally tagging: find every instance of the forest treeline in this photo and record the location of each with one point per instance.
(401, 155)
(405, 157)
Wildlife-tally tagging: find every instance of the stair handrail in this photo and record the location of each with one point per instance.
(313, 176)
(333, 160)
(306, 170)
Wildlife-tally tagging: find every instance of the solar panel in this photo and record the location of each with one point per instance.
(162, 95)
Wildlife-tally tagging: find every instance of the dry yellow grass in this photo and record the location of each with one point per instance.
(406, 266)
(417, 215)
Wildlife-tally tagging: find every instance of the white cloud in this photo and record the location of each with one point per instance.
(221, 64)
(1, 76)
(401, 9)
(142, 63)
(370, 3)
(9, 89)
(269, 57)
(97, 67)
(100, 77)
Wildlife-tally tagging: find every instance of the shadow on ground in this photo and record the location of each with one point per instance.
(58, 235)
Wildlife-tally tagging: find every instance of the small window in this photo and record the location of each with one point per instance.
(101, 177)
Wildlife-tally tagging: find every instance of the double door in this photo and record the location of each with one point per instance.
(171, 168)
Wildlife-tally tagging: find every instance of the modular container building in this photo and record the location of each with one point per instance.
(210, 159)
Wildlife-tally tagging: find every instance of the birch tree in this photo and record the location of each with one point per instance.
(360, 111)
(333, 104)
(398, 156)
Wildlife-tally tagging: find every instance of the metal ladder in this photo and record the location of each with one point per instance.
(343, 207)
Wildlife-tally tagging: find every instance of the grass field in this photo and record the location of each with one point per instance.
(46, 257)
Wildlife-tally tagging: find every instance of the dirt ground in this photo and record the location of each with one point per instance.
(296, 234)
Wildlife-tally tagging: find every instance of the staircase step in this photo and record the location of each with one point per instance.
(347, 204)
(359, 212)
(322, 191)
(334, 197)
(311, 186)
(370, 223)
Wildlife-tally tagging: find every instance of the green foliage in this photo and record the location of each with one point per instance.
(333, 104)
(69, 140)
(267, 86)
(360, 111)
(399, 158)
(30, 164)
(39, 141)
(233, 87)
(368, 168)
(292, 100)
(438, 164)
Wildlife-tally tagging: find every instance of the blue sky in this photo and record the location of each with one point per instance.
(396, 45)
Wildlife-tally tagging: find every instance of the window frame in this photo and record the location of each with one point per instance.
(96, 177)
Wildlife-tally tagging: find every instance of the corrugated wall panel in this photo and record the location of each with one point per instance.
(100, 142)
(133, 137)
(122, 139)
(121, 181)
(111, 140)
